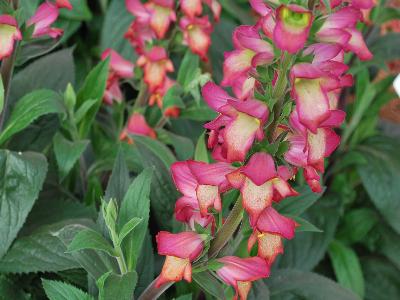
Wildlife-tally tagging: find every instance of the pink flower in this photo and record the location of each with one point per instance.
(157, 13)
(251, 51)
(155, 64)
(293, 24)
(260, 188)
(187, 210)
(270, 245)
(360, 4)
(196, 34)
(203, 182)
(158, 94)
(267, 21)
(9, 33)
(137, 125)
(181, 249)
(119, 68)
(340, 28)
(46, 14)
(237, 126)
(64, 4)
(240, 272)
(138, 34)
(193, 8)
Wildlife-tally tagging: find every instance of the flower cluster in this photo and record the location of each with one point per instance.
(292, 58)
(45, 15)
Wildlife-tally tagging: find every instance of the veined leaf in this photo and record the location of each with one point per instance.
(21, 178)
(127, 228)
(90, 239)
(113, 286)
(188, 70)
(28, 109)
(57, 290)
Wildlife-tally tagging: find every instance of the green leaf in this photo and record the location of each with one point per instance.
(90, 239)
(67, 153)
(116, 23)
(28, 109)
(159, 149)
(1, 95)
(80, 11)
(347, 267)
(93, 88)
(10, 289)
(304, 225)
(127, 228)
(172, 98)
(183, 146)
(136, 204)
(53, 71)
(188, 69)
(198, 113)
(57, 290)
(295, 206)
(201, 152)
(389, 244)
(306, 285)
(385, 14)
(113, 286)
(21, 178)
(382, 279)
(38, 252)
(145, 266)
(209, 284)
(84, 109)
(381, 175)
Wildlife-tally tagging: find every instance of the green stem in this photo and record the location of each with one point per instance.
(141, 99)
(120, 258)
(152, 292)
(227, 230)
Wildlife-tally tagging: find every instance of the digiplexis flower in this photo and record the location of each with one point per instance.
(196, 34)
(158, 94)
(237, 126)
(361, 4)
(181, 250)
(193, 8)
(258, 188)
(251, 51)
(9, 33)
(137, 125)
(156, 65)
(46, 14)
(293, 24)
(241, 272)
(201, 181)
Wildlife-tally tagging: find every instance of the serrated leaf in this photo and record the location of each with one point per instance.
(90, 239)
(57, 290)
(67, 153)
(113, 286)
(21, 178)
(136, 204)
(28, 109)
(347, 267)
(127, 228)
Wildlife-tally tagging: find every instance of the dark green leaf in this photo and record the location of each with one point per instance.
(21, 179)
(80, 11)
(209, 284)
(304, 225)
(67, 153)
(145, 266)
(347, 267)
(90, 239)
(183, 146)
(381, 176)
(113, 286)
(201, 152)
(198, 113)
(53, 71)
(189, 69)
(28, 109)
(11, 290)
(136, 204)
(295, 206)
(57, 290)
(306, 285)
(40, 251)
(389, 244)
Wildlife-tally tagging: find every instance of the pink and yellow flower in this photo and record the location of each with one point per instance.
(156, 65)
(201, 181)
(157, 95)
(196, 34)
(239, 123)
(137, 125)
(251, 51)
(293, 25)
(194, 8)
(241, 272)
(138, 34)
(181, 250)
(9, 33)
(259, 189)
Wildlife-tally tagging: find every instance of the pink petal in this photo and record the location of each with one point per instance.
(122, 67)
(187, 244)
(260, 168)
(9, 33)
(137, 125)
(214, 95)
(191, 8)
(184, 178)
(210, 174)
(357, 45)
(271, 221)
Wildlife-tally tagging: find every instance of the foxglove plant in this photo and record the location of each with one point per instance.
(286, 73)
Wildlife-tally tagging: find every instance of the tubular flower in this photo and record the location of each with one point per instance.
(340, 28)
(157, 95)
(259, 189)
(270, 245)
(267, 21)
(241, 272)
(203, 182)
(237, 126)
(138, 34)
(193, 8)
(251, 51)
(293, 24)
(155, 64)
(46, 14)
(137, 125)
(9, 33)
(187, 210)
(181, 250)
(196, 33)
(119, 68)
